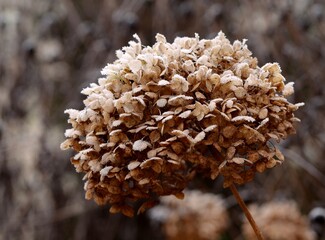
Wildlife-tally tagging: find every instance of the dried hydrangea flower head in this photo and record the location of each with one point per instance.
(279, 221)
(161, 114)
(199, 216)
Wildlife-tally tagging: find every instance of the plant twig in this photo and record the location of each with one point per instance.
(246, 211)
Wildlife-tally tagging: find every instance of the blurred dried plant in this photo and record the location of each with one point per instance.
(279, 221)
(199, 216)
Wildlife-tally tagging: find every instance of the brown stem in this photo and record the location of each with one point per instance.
(246, 211)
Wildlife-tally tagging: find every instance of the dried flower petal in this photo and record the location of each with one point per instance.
(133, 165)
(243, 118)
(140, 145)
(161, 102)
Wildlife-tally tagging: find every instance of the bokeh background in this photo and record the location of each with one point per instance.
(51, 49)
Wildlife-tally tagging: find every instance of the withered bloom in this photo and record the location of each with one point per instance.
(199, 216)
(163, 113)
(279, 221)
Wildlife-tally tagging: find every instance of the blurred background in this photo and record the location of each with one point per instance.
(51, 49)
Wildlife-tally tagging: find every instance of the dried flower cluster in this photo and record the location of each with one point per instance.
(279, 221)
(163, 113)
(199, 216)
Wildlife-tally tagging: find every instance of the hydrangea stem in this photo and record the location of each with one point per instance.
(246, 211)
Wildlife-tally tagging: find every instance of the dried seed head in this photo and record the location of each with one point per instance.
(198, 216)
(161, 112)
(279, 220)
